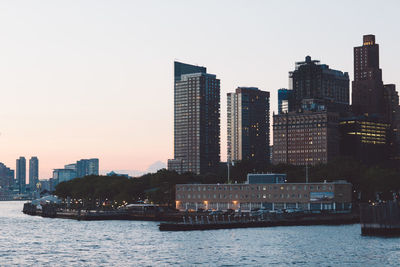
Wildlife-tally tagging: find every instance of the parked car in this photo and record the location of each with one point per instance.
(216, 212)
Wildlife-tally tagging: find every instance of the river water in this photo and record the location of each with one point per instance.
(30, 240)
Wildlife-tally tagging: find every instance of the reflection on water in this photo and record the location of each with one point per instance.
(28, 240)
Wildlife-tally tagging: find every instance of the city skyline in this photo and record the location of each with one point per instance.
(82, 88)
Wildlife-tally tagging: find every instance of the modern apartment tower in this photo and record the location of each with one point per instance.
(85, 167)
(368, 90)
(312, 80)
(21, 174)
(248, 125)
(196, 120)
(33, 172)
(6, 176)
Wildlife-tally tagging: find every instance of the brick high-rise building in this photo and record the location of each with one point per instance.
(196, 120)
(368, 89)
(312, 80)
(248, 125)
(305, 138)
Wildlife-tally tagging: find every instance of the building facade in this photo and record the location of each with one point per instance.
(196, 119)
(85, 167)
(368, 89)
(33, 172)
(365, 138)
(284, 100)
(64, 175)
(391, 100)
(305, 138)
(21, 174)
(304, 196)
(6, 176)
(312, 80)
(248, 125)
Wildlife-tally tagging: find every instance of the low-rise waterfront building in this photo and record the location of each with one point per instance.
(334, 196)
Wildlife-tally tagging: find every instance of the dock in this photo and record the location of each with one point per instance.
(192, 223)
(380, 219)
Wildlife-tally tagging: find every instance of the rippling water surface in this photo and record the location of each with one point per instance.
(31, 240)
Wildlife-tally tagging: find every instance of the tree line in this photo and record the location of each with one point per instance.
(159, 187)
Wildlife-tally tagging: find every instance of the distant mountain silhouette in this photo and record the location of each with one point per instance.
(154, 167)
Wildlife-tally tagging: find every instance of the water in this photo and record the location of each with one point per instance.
(31, 240)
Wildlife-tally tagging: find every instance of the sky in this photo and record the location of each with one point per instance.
(82, 79)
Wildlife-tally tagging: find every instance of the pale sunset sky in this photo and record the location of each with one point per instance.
(81, 79)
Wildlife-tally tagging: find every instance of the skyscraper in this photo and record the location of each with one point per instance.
(85, 167)
(368, 90)
(196, 119)
(33, 172)
(248, 125)
(21, 174)
(314, 81)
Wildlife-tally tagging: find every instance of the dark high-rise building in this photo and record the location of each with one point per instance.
(21, 174)
(196, 119)
(33, 172)
(183, 68)
(391, 100)
(312, 80)
(284, 99)
(248, 125)
(6, 176)
(85, 167)
(365, 138)
(302, 138)
(368, 90)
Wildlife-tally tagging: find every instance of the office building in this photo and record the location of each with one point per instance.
(85, 167)
(33, 172)
(284, 100)
(312, 80)
(365, 138)
(248, 125)
(368, 89)
(175, 165)
(6, 176)
(21, 174)
(71, 166)
(63, 175)
(196, 119)
(391, 101)
(333, 196)
(305, 138)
